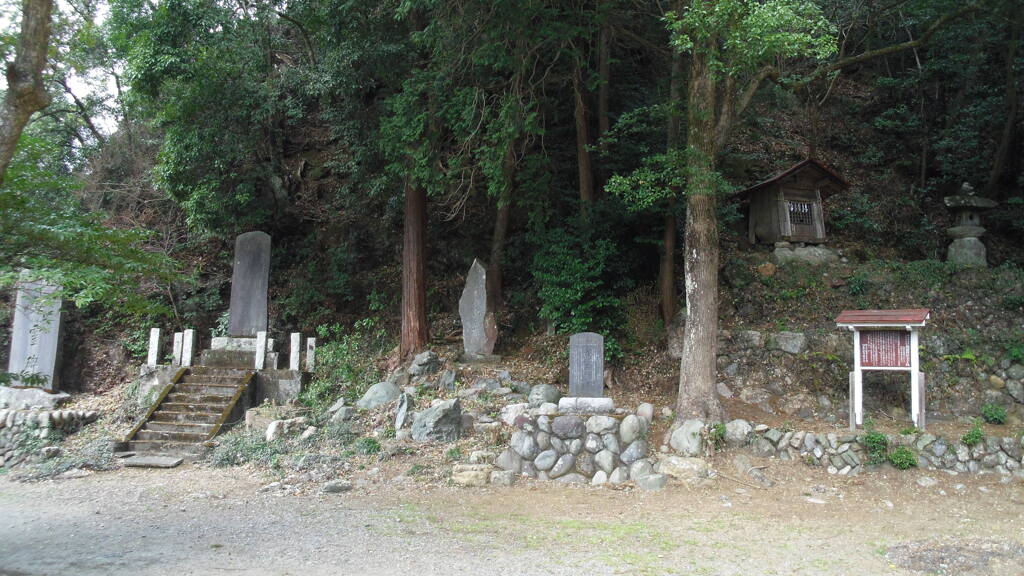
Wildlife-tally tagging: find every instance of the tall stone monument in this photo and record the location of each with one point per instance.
(586, 365)
(966, 248)
(249, 283)
(479, 325)
(35, 338)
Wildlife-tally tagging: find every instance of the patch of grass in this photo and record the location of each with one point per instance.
(237, 448)
(993, 413)
(453, 454)
(367, 445)
(909, 430)
(974, 435)
(903, 458)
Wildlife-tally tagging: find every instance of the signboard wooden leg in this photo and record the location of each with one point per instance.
(920, 420)
(858, 394)
(852, 402)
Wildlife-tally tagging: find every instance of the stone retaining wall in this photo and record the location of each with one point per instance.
(846, 453)
(567, 444)
(16, 425)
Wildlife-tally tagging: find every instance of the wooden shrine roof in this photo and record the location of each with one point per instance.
(810, 163)
(907, 317)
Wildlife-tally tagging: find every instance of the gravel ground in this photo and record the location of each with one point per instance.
(196, 520)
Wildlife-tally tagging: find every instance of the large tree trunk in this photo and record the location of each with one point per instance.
(999, 164)
(667, 265)
(586, 171)
(414, 280)
(495, 265)
(697, 396)
(604, 65)
(26, 93)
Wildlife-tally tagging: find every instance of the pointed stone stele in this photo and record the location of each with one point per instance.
(479, 325)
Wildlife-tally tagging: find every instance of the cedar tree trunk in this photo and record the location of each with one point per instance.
(414, 279)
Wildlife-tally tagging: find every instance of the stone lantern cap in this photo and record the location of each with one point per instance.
(966, 200)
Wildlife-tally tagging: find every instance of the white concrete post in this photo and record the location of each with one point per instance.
(310, 354)
(153, 358)
(176, 348)
(261, 350)
(858, 380)
(188, 347)
(915, 391)
(295, 351)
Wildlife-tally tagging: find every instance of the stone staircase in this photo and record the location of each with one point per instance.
(192, 410)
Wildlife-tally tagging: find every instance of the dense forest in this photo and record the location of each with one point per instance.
(587, 152)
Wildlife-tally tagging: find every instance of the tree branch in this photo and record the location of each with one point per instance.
(733, 105)
(891, 49)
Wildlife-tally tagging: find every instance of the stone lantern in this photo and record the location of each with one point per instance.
(966, 249)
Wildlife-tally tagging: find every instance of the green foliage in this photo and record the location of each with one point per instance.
(993, 413)
(909, 430)
(716, 434)
(854, 216)
(747, 34)
(43, 229)
(974, 435)
(345, 363)
(578, 282)
(903, 458)
(877, 444)
(367, 445)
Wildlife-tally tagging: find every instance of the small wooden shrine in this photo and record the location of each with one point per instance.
(885, 340)
(788, 206)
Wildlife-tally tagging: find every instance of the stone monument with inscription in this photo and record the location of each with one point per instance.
(35, 337)
(586, 365)
(249, 283)
(479, 325)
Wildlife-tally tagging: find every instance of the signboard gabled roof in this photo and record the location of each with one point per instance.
(906, 317)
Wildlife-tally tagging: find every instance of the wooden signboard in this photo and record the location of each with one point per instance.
(885, 349)
(885, 340)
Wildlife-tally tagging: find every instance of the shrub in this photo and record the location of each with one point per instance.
(974, 435)
(717, 435)
(876, 444)
(902, 458)
(909, 430)
(993, 413)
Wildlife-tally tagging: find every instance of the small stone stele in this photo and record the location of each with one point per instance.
(479, 326)
(586, 365)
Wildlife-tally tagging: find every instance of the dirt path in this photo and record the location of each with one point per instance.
(208, 521)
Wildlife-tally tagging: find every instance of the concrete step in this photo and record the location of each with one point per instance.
(214, 371)
(153, 461)
(160, 447)
(211, 379)
(228, 358)
(191, 416)
(192, 398)
(227, 390)
(190, 437)
(204, 428)
(209, 408)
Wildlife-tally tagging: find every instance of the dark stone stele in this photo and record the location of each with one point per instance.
(249, 283)
(586, 365)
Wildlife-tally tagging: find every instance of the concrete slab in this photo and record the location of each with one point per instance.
(153, 461)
